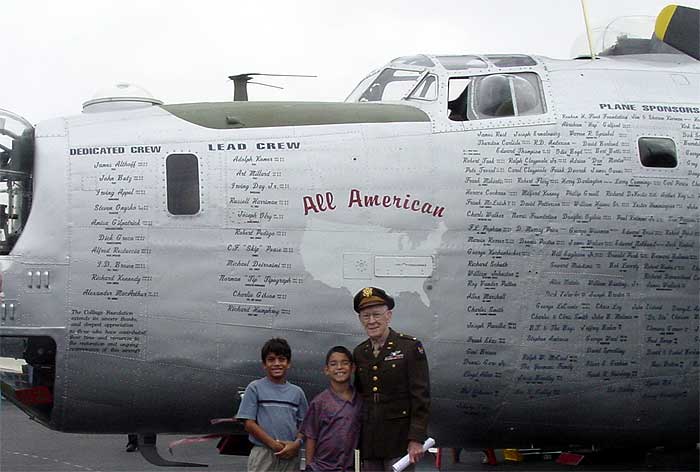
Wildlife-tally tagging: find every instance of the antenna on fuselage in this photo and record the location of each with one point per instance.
(241, 81)
(584, 6)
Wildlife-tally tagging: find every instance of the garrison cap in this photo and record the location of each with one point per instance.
(372, 296)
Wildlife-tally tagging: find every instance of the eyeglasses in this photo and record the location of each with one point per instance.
(339, 363)
(365, 317)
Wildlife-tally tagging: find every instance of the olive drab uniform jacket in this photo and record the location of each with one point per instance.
(395, 390)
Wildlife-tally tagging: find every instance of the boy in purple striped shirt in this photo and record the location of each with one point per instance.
(332, 423)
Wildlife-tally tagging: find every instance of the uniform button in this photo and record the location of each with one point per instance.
(393, 365)
(374, 389)
(374, 367)
(403, 412)
(375, 378)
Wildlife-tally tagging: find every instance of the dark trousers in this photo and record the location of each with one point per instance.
(383, 465)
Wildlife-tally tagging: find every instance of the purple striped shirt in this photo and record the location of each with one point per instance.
(334, 424)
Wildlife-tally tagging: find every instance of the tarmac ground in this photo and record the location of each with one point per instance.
(28, 446)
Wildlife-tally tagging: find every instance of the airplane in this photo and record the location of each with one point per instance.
(536, 219)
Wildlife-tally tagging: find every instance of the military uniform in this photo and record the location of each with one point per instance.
(396, 391)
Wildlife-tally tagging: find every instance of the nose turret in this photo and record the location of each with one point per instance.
(16, 169)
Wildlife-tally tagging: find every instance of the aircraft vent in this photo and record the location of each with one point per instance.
(120, 96)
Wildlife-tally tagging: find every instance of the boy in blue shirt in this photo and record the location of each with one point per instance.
(332, 425)
(273, 409)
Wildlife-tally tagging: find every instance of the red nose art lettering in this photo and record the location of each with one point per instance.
(318, 203)
(396, 201)
(321, 202)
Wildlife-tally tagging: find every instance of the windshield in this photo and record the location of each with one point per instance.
(389, 85)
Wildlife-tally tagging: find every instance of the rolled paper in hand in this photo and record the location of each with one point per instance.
(405, 461)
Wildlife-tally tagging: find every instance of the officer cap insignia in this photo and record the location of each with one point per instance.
(372, 296)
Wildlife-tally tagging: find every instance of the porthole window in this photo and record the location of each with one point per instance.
(657, 152)
(182, 176)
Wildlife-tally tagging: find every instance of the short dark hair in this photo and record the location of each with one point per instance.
(341, 350)
(277, 346)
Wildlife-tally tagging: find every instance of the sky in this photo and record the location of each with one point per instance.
(57, 54)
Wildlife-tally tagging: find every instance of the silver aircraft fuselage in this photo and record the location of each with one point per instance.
(552, 276)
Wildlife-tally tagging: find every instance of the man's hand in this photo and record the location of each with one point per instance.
(415, 451)
(277, 446)
(289, 450)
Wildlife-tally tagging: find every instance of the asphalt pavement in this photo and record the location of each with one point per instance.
(28, 446)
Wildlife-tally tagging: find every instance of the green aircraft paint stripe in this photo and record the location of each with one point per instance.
(232, 115)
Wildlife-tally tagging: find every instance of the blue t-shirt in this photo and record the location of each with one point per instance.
(278, 408)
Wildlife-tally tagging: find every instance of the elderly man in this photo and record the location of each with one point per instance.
(392, 377)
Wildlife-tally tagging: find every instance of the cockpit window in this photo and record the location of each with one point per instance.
(495, 96)
(390, 84)
(516, 60)
(426, 89)
(499, 95)
(462, 62)
(419, 60)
